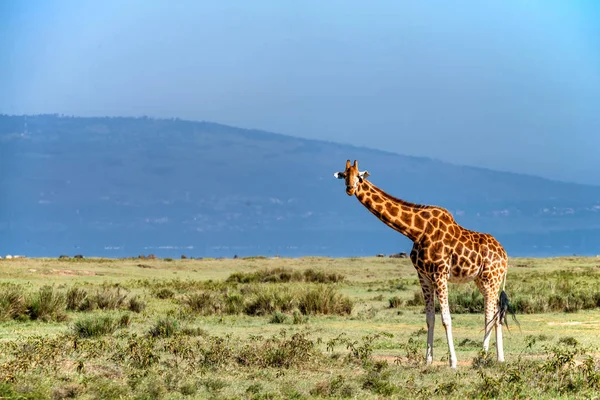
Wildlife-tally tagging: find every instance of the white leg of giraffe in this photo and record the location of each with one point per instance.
(487, 328)
(428, 296)
(442, 293)
(499, 343)
(490, 301)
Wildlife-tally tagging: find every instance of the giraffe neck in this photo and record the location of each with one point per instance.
(398, 214)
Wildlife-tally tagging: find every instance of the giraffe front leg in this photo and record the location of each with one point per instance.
(442, 294)
(428, 296)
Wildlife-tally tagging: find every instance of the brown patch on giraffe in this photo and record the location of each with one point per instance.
(450, 240)
(418, 222)
(453, 230)
(386, 217)
(392, 209)
(376, 198)
(425, 214)
(436, 250)
(406, 218)
(429, 229)
(443, 227)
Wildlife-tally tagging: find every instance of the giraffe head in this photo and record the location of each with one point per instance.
(352, 176)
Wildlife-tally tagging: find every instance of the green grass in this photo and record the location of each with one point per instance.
(259, 328)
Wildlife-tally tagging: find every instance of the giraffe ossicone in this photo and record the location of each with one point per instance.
(442, 252)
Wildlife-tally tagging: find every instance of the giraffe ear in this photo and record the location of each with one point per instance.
(364, 174)
(339, 175)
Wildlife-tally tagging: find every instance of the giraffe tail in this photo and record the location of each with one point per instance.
(505, 307)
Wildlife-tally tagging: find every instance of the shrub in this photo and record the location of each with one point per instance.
(283, 275)
(136, 305)
(278, 318)
(311, 275)
(205, 303)
(265, 300)
(278, 352)
(299, 318)
(164, 293)
(47, 305)
(109, 298)
(195, 331)
(12, 302)
(336, 387)
(395, 302)
(324, 300)
(98, 325)
(164, 327)
(77, 299)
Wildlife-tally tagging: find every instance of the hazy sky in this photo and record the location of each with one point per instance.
(511, 85)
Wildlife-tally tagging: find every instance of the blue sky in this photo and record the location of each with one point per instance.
(511, 85)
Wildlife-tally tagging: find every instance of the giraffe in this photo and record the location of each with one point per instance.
(442, 252)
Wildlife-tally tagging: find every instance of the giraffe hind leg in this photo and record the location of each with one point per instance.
(492, 316)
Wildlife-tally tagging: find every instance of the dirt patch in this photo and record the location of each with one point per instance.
(69, 272)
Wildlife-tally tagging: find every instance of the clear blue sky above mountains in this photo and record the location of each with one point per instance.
(512, 85)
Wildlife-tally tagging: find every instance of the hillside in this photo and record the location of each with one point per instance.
(126, 186)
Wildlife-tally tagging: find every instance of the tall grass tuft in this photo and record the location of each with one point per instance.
(98, 325)
(13, 303)
(136, 305)
(77, 299)
(324, 300)
(164, 327)
(109, 298)
(264, 300)
(47, 305)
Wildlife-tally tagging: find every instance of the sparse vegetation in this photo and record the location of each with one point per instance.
(229, 333)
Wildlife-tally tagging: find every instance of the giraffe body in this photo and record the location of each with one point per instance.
(443, 251)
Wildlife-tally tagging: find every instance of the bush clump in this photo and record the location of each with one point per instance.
(284, 275)
(98, 325)
(258, 300)
(47, 305)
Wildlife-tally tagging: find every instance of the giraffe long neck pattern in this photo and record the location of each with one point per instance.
(398, 214)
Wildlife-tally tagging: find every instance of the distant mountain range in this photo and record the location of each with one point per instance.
(129, 186)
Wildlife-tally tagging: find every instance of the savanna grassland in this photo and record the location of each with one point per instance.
(256, 328)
